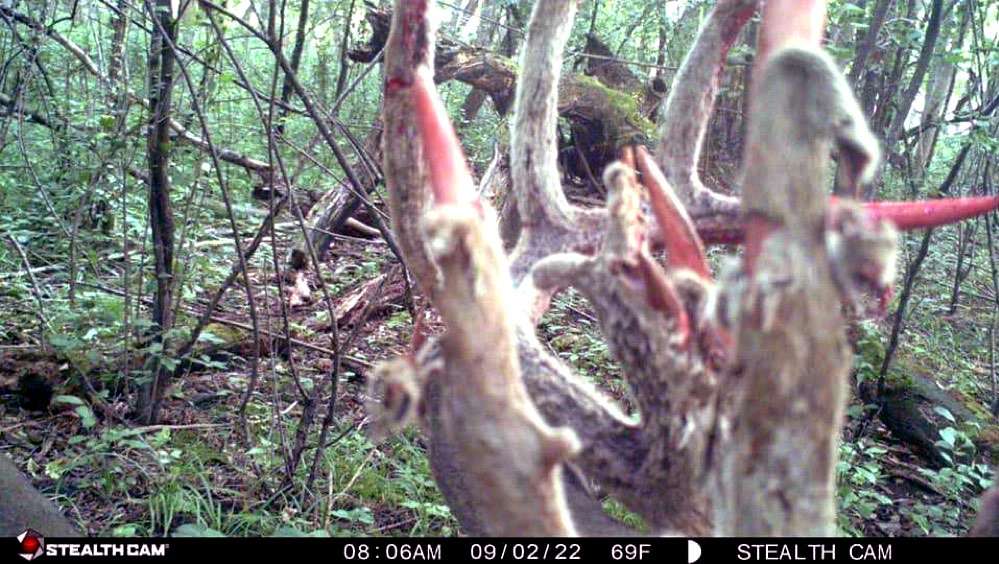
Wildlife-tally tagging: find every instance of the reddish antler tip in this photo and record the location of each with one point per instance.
(791, 22)
(679, 234)
(394, 84)
(628, 156)
(905, 216)
(931, 213)
(450, 180)
(662, 296)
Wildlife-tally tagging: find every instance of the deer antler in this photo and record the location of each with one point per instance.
(462, 268)
(684, 118)
(406, 174)
(905, 216)
(791, 355)
(549, 223)
(680, 237)
(739, 384)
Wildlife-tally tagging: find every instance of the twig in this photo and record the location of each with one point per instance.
(357, 362)
(151, 428)
(345, 346)
(992, 356)
(35, 289)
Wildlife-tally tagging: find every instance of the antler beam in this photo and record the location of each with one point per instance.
(740, 384)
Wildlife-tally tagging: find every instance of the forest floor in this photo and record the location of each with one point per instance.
(194, 474)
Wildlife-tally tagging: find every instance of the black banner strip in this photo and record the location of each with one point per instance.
(377, 550)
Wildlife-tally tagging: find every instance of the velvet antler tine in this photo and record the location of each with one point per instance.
(789, 23)
(931, 213)
(628, 156)
(450, 180)
(679, 234)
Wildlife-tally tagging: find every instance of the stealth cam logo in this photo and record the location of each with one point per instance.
(32, 544)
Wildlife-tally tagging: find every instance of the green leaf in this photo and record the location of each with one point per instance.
(66, 342)
(86, 416)
(357, 515)
(949, 435)
(107, 122)
(71, 400)
(211, 338)
(945, 413)
(129, 530)
(852, 10)
(196, 530)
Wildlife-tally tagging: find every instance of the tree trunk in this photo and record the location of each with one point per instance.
(295, 62)
(916, 82)
(870, 40)
(161, 221)
(942, 79)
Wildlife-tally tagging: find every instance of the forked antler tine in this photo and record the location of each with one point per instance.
(450, 180)
(679, 234)
(625, 244)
